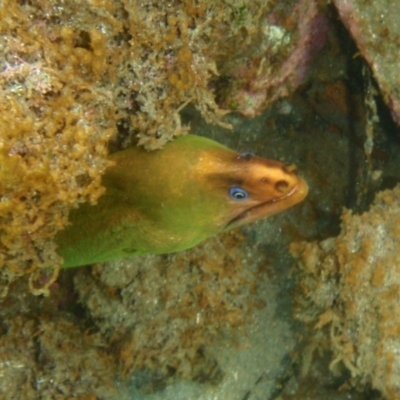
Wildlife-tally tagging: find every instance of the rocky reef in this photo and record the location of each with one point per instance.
(152, 318)
(349, 287)
(78, 82)
(376, 31)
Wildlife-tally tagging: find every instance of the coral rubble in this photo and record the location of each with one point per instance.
(349, 289)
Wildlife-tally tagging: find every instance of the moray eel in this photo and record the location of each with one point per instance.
(169, 200)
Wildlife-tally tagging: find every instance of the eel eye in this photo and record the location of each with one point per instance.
(236, 193)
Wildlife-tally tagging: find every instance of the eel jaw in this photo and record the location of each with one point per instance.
(270, 207)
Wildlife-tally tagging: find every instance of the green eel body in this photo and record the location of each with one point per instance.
(169, 200)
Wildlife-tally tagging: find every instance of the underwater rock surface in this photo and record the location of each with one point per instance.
(375, 27)
(349, 293)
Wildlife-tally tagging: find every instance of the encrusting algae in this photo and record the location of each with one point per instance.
(212, 293)
(135, 325)
(53, 142)
(349, 291)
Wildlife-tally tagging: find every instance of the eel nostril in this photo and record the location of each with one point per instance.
(281, 186)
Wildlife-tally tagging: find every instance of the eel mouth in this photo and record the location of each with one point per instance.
(272, 206)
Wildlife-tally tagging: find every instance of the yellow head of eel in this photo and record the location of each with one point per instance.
(171, 199)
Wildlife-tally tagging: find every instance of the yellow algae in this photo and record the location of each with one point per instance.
(362, 293)
(211, 293)
(54, 131)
